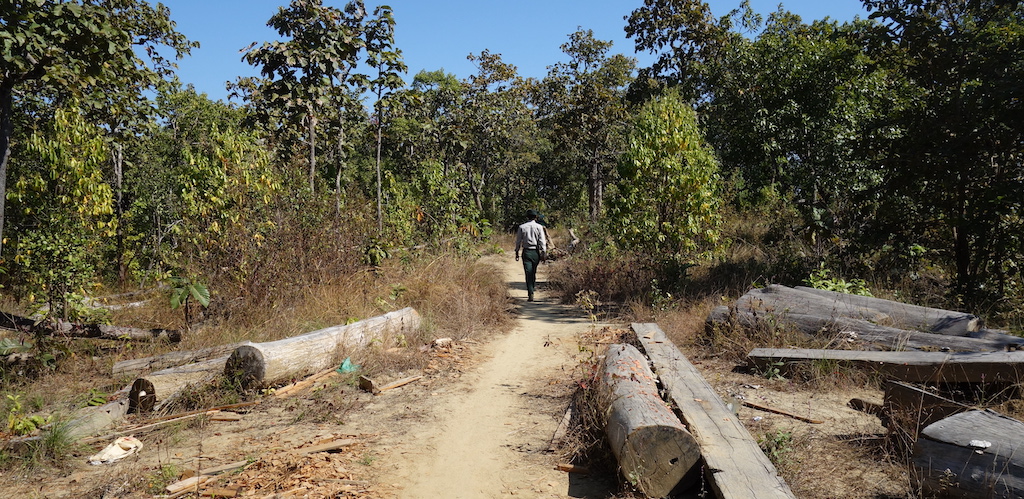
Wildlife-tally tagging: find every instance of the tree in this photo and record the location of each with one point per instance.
(955, 172)
(79, 48)
(387, 60)
(301, 72)
(669, 189)
(68, 206)
(582, 103)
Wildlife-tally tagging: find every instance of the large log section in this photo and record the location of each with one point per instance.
(260, 364)
(653, 448)
(974, 454)
(736, 467)
(925, 367)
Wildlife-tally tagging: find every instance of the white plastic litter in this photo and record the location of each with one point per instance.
(118, 450)
(980, 444)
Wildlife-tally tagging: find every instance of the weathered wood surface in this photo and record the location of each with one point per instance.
(171, 359)
(261, 364)
(889, 323)
(740, 467)
(652, 446)
(101, 331)
(974, 454)
(905, 315)
(907, 408)
(91, 420)
(861, 332)
(924, 367)
(168, 383)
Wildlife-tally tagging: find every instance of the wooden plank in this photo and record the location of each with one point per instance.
(328, 447)
(653, 448)
(736, 466)
(932, 367)
(399, 383)
(974, 454)
(906, 409)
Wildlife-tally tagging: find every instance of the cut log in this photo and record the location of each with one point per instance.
(135, 367)
(861, 331)
(164, 385)
(736, 467)
(923, 367)
(261, 364)
(974, 454)
(907, 316)
(652, 446)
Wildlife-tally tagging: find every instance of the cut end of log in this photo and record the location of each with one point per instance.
(657, 458)
(142, 397)
(245, 366)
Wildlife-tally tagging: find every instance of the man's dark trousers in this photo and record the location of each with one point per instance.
(531, 260)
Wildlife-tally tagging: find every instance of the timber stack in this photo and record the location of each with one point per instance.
(932, 360)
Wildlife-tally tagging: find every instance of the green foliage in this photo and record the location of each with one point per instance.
(20, 423)
(669, 194)
(66, 208)
(820, 279)
(185, 290)
(163, 476)
(10, 345)
(777, 445)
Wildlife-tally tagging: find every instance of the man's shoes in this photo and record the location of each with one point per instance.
(530, 298)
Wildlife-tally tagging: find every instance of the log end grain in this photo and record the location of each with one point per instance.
(142, 396)
(656, 458)
(246, 367)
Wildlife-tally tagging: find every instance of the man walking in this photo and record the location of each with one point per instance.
(530, 238)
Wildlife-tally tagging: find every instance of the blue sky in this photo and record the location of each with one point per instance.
(435, 34)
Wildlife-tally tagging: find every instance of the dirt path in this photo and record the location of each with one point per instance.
(488, 434)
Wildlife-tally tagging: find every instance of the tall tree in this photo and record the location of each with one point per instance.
(582, 103)
(382, 55)
(300, 73)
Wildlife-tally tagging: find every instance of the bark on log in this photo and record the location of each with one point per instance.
(91, 420)
(974, 454)
(260, 364)
(907, 316)
(652, 446)
(171, 359)
(736, 467)
(878, 337)
(925, 367)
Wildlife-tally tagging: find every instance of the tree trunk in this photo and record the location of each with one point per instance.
(6, 130)
(735, 466)
(165, 385)
(653, 448)
(906, 316)
(262, 364)
(974, 454)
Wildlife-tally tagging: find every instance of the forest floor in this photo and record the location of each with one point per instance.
(479, 424)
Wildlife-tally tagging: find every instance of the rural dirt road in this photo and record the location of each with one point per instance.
(488, 434)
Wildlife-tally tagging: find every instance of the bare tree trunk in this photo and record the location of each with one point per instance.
(311, 117)
(6, 130)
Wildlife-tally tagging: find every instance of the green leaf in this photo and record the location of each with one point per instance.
(201, 294)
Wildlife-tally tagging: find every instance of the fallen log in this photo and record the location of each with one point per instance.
(100, 331)
(261, 364)
(652, 446)
(735, 465)
(171, 359)
(91, 420)
(907, 316)
(164, 385)
(861, 331)
(922, 367)
(974, 454)
(780, 299)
